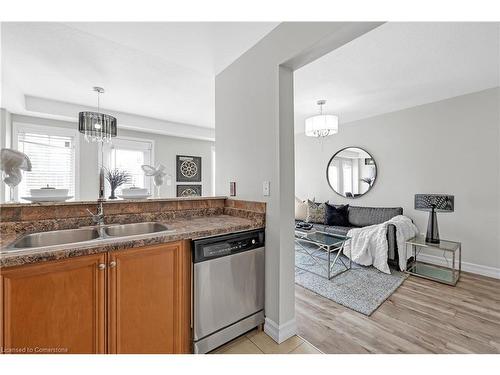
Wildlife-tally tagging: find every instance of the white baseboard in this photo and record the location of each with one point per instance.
(280, 333)
(466, 266)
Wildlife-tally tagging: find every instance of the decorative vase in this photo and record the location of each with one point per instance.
(112, 196)
(158, 181)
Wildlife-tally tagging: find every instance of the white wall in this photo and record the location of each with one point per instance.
(5, 135)
(165, 150)
(254, 141)
(4, 129)
(129, 121)
(450, 146)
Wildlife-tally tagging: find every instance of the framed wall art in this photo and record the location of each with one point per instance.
(189, 190)
(188, 168)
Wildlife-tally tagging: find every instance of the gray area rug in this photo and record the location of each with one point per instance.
(362, 289)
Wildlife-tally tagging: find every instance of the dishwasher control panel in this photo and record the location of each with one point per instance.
(216, 247)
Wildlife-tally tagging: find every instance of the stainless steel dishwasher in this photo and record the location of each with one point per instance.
(228, 288)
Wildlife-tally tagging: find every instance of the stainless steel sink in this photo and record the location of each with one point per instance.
(134, 229)
(58, 237)
(75, 236)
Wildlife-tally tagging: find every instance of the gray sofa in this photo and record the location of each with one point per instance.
(365, 216)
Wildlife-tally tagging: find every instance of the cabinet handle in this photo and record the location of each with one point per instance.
(101, 266)
(112, 264)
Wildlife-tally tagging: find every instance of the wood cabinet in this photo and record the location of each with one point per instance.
(131, 301)
(55, 307)
(149, 300)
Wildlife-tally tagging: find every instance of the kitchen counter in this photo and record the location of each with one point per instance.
(193, 228)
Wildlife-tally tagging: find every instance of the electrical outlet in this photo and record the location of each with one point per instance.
(266, 188)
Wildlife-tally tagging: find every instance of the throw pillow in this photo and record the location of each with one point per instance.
(315, 212)
(300, 209)
(336, 215)
(314, 201)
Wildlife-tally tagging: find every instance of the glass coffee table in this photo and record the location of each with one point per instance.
(323, 244)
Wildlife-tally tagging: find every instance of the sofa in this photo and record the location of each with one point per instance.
(365, 216)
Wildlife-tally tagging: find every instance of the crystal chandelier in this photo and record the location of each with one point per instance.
(321, 125)
(97, 127)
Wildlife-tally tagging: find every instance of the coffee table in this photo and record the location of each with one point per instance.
(323, 242)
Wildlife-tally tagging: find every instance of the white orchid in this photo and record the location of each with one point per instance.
(12, 164)
(157, 173)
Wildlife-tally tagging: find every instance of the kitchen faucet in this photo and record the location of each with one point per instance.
(98, 217)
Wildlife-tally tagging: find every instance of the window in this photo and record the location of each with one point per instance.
(333, 175)
(347, 175)
(129, 154)
(53, 153)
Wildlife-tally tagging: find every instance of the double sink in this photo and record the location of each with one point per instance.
(76, 236)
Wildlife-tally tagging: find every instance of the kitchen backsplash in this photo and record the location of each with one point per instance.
(29, 218)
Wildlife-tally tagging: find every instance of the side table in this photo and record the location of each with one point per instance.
(444, 274)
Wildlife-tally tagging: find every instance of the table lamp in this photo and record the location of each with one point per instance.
(434, 203)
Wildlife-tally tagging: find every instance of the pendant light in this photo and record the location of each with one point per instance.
(321, 125)
(97, 127)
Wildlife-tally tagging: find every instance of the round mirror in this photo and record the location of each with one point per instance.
(351, 172)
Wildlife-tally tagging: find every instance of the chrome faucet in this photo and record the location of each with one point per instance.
(101, 180)
(98, 217)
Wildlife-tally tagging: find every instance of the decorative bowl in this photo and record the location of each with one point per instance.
(49, 192)
(132, 192)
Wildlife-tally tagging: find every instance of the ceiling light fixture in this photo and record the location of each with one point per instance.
(97, 127)
(321, 125)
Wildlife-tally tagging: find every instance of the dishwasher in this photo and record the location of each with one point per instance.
(228, 288)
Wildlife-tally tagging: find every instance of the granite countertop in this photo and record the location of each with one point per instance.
(195, 228)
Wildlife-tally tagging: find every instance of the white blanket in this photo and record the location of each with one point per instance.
(368, 245)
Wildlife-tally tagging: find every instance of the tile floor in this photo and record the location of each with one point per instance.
(257, 342)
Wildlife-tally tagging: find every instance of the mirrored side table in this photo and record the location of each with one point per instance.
(451, 252)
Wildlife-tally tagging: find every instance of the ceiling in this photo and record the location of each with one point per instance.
(159, 70)
(166, 70)
(397, 66)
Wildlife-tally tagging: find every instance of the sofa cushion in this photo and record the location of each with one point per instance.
(336, 215)
(300, 209)
(315, 212)
(364, 216)
(318, 227)
(333, 229)
(337, 229)
(392, 243)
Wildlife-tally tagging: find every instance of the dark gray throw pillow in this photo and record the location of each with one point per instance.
(336, 215)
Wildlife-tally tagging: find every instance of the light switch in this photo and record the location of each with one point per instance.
(266, 188)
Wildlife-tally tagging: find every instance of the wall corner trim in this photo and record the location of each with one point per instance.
(280, 333)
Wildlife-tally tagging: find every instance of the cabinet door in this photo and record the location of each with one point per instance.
(149, 299)
(55, 307)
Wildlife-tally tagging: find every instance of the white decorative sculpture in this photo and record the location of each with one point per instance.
(12, 163)
(158, 175)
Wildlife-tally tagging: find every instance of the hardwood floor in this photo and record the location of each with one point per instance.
(422, 316)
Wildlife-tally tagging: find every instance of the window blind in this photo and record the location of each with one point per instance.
(130, 161)
(129, 155)
(52, 159)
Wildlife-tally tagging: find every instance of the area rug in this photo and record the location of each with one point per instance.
(362, 289)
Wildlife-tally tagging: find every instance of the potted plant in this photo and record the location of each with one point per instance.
(116, 177)
(368, 180)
